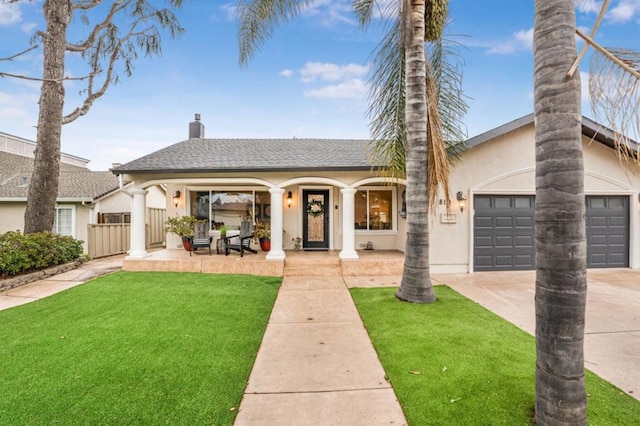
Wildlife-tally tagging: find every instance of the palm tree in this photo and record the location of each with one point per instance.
(561, 283)
(402, 83)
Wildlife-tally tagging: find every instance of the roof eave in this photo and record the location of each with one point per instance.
(248, 170)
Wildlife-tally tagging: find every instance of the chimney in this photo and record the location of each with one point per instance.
(196, 128)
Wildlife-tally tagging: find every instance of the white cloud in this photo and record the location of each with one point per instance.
(354, 88)
(28, 27)
(286, 73)
(9, 14)
(584, 90)
(587, 6)
(624, 11)
(520, 41)
(330, 12)
(230, 10)
(331, 72)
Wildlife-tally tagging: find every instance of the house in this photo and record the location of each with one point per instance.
(327, 193)
(84, 197)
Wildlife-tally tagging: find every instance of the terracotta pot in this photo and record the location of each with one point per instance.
(265, 244)
(186, 243)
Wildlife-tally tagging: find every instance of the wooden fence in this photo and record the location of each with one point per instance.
(108, 239)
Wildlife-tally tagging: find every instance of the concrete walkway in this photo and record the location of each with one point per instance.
(316, 365)
(57, 283)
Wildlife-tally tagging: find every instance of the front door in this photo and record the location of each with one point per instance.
(315, 219)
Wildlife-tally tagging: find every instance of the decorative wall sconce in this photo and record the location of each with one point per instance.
(289, 199)
(176, 198)
(462, 201)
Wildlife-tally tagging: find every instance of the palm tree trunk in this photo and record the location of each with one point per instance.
(416, 282)
(561, 283)
(43, 188)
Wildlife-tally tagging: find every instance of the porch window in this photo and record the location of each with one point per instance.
(374, 209)
(228, 208)
(64, 220)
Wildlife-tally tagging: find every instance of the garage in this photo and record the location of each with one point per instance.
(504, 236)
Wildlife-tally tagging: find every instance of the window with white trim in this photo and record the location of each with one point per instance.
(229, 208)
(64, 220)
(374, 209)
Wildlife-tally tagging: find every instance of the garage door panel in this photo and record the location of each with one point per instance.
(524, 222)
(483, 222)
(484, 242)
(504, 222)
(617, 221)
(598, 222)
(483, 261)
(504, 241)
(524, 241)
(524, 260)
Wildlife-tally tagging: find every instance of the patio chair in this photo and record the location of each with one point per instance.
(241, 242)
(201, 238)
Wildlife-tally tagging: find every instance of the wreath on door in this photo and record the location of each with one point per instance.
(315, 208)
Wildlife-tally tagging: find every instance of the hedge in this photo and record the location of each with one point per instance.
(21, 253)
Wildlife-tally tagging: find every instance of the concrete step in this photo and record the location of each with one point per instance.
(312, 270)
(311, 262)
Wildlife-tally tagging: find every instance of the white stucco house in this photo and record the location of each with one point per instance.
(84, 196)
(326, 193)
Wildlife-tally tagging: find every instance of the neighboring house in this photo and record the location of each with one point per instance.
(327, 193)
(84, 196)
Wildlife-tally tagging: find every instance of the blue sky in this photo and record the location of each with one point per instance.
(309, 79)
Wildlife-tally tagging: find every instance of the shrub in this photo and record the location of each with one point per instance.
(25, 253)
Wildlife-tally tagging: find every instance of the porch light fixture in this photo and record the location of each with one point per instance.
(176, 198)
(289, 199)
(461, 201)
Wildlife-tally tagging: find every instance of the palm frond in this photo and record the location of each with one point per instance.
(615, 100)
(446, 63)
(387, 102)
(258, 20)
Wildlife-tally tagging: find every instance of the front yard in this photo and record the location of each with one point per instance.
(134, 348)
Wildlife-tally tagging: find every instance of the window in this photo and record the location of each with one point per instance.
(230, 207)
(64, 220)
(374, 209)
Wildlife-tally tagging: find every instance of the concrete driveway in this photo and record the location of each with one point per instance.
(612, 334)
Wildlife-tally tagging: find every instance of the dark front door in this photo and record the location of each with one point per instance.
(315, 219)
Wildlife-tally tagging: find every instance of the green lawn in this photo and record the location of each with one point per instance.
(134, 348)
(456, 363)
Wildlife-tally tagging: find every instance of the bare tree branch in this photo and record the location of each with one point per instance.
(88, 43)
(24, 77)
(86, 4)
(11, 58)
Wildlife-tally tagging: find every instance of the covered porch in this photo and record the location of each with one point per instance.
(307, 263)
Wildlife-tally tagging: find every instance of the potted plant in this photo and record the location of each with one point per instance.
(223, 232)
(182, 226)
(262, 233)
(297, 243)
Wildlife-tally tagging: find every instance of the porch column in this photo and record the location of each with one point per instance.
(348, 229)
(276, 252)
(138, 234)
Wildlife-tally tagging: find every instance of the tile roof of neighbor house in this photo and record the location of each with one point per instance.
(76, 183)
(215, 155)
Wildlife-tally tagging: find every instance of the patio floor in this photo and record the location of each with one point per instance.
(308, 263)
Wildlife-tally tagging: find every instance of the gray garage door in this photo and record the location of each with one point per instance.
(504, 232)
(607, 232)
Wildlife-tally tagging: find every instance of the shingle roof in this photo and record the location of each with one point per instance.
(75, 182)
(208, 155)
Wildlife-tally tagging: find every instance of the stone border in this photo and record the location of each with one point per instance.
(20, 280)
